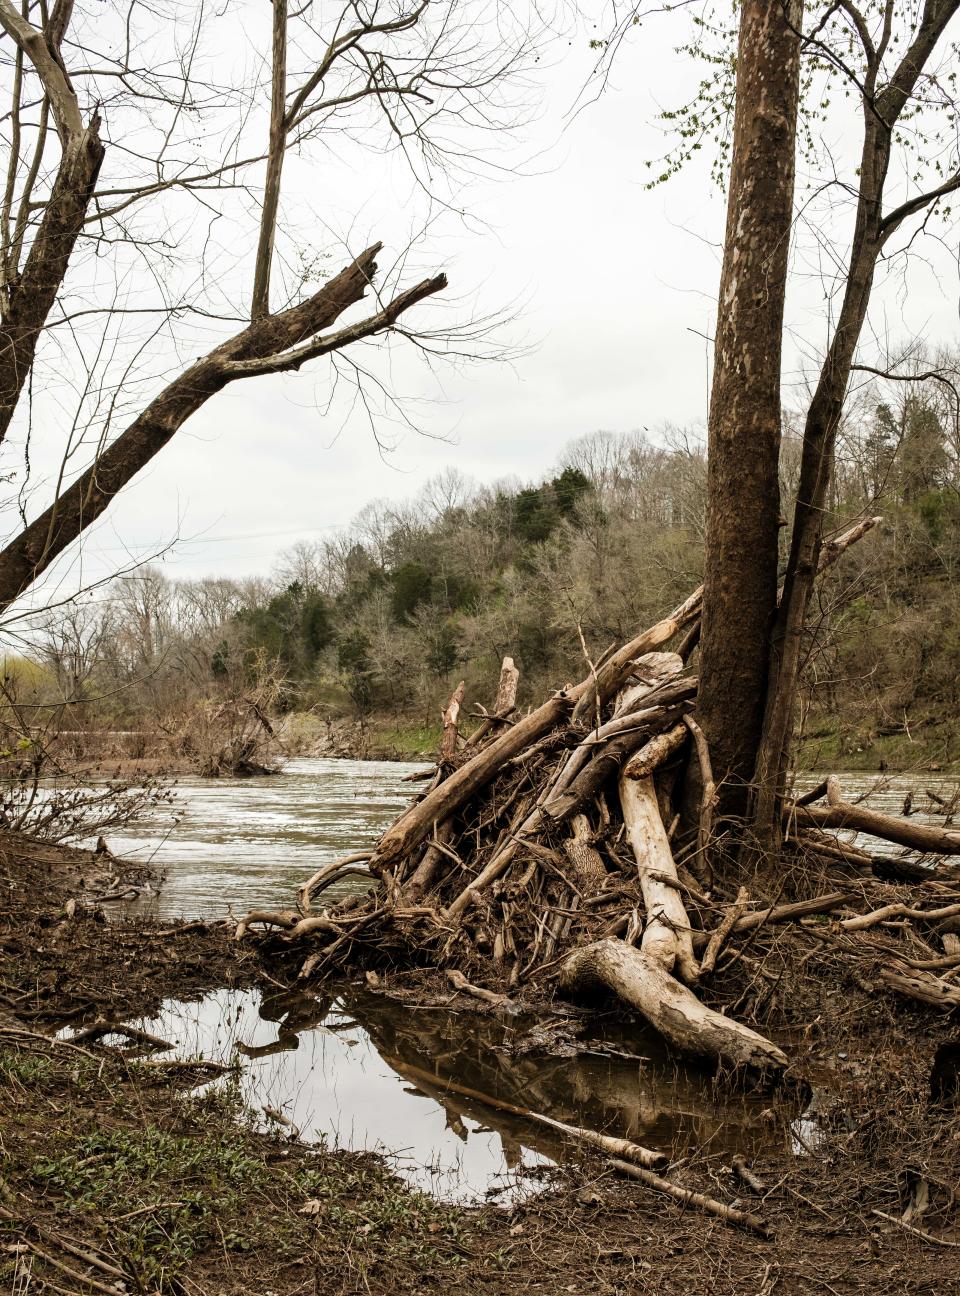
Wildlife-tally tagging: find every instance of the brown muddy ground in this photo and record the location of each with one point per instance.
(115, 1177)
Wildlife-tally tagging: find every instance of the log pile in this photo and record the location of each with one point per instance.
(562, 847)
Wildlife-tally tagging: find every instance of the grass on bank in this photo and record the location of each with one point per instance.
(167, 1186)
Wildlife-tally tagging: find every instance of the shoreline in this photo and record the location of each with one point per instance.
(183, 1185)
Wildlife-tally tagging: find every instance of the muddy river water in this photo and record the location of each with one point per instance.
(366, 1073)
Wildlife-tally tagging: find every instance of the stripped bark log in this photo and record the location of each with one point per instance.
(688, 1197)
(425, 872)
(667, 936)
(503, 707)
(643, 982)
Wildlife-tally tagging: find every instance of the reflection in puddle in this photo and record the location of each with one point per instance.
(365, 1073)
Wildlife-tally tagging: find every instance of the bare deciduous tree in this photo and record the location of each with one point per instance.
(131, 137)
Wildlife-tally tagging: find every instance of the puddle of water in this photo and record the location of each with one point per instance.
(245, 843)
(364, 1073)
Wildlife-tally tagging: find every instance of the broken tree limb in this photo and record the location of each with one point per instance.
(723, 930)
(503, 707)
(619, 667)
(655, 752)
(284, 918)
(451, 732)
(460, 982)
(606, 1143)
(862, 921)
(102, 1026)
(746, 1175)
(565, 794)
(919, 837)
(666, 935)
(708, 788)
(642, 982)
(782, 913)
(687, 1196)
(331, 873)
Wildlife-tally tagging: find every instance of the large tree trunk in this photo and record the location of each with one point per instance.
(743, 498)
(872, 229)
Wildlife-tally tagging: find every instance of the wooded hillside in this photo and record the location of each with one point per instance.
(377, 623)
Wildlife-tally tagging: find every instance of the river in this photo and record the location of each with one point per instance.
(228, 845)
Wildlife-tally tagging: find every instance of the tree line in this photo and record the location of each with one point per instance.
(379, 621)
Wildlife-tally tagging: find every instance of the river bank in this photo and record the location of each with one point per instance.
(931, 745)
(113, 1160)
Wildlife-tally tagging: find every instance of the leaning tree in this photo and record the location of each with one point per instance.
(151, 251)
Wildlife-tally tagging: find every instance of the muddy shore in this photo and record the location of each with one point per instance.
(116, 1172)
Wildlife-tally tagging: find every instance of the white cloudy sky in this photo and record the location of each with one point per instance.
(611, 286)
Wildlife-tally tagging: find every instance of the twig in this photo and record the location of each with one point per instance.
(920, 1233)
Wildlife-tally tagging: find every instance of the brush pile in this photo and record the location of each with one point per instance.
(573, 845)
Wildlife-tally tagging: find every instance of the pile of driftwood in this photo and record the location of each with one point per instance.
(565, 846)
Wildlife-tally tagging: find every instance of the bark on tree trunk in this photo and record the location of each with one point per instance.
(882, 110)
(743, 497)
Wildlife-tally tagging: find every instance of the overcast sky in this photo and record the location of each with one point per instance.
(611, 287)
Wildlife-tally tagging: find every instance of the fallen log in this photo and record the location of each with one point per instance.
(642, 982)
(920, 985)
(919, 837)
(687, 1197)
(606, 1143)
(781, 913)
